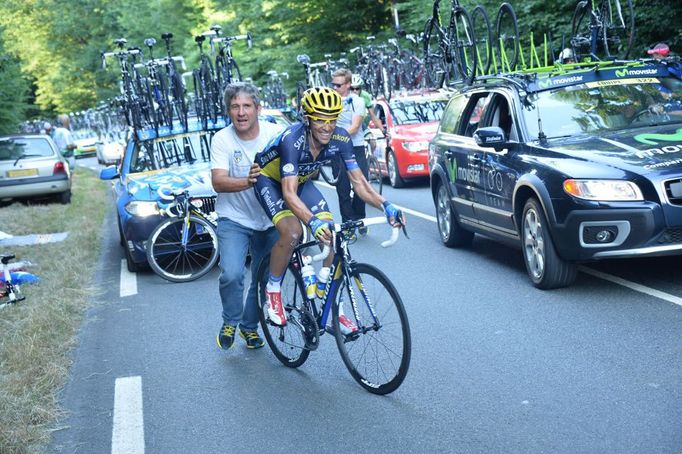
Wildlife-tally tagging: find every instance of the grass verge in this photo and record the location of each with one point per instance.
(38, 334)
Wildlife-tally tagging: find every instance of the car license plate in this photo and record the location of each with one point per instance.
(22, 173)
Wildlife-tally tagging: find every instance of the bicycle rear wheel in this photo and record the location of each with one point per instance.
(286, 342)
(507, 29)
(378, 354)
(176, 262)
(618, 19)
(434, 58)
(581, 34)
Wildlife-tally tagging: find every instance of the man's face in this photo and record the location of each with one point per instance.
(340, 85)
(322, 129)
(244, 113)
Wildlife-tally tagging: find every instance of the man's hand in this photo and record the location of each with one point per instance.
(322, 230)
(254, 172)
(395, 216)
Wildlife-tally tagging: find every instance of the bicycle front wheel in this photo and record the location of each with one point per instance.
(375, 178)
(377, 355)
(329, 176)
(463, 46)
(286, 342)
(507, 29)
(176, 261)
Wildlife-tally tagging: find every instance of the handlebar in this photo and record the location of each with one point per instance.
(366, 222)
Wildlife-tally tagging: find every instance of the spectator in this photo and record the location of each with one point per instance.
(351, 118)
(64, 140)
(242, 223)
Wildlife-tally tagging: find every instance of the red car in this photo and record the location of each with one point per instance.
(411, 121)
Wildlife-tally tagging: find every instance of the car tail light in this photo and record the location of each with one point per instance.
(59, 167)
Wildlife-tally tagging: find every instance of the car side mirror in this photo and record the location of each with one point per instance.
(67, 153)
(108, 173)
(490, 137)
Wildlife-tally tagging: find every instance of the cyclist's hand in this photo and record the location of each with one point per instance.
(395, 216)
(322, 230)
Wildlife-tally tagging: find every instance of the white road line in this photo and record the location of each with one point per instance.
(128, 281)
(633, 286)
(598, 274)
(128, 431)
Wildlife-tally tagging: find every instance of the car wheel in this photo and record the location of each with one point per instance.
(121, 238)
(545, 268)
(65, 197)
(451, 234)
(393, 172)
(132, 266)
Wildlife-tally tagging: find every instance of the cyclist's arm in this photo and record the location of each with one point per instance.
(365, 190)
(377, 122)
(355, 124)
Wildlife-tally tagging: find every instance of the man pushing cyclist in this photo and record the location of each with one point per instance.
(286, 193)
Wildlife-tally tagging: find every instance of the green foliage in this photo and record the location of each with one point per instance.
(60, 50)
(13, 93)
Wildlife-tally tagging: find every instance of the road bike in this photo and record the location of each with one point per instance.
(603, 26)
(374, 175)
(184, 246)
(377, 354)
(11, 279)
(226, 67)
(175, 86)
(450, 47)
(208, 102)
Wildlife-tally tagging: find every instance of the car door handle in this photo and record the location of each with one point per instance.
(448, 154)
(475, 158)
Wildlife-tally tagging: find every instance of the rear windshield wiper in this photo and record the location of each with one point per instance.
(25, 156)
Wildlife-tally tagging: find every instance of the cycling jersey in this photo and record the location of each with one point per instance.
(289, 154)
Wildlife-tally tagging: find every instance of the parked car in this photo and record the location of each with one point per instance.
(86, 141)
(175, 160)
(411, 122)
(570, 166)
(110, 151)
(32, 167)
(276, 116)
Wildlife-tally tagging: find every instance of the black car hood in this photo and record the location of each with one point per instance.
(641, 150)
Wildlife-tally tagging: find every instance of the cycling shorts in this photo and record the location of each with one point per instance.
(269, 195)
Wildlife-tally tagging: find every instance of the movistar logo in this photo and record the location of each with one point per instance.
(545, 83)
(635, 72)
(654, 139)
(452, 169)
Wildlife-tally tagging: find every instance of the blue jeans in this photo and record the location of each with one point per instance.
(234, 241)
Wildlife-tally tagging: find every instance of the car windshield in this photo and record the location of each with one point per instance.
(174, 151)
(85, 134)
(12, 149)
(598, 107)
(417, 110)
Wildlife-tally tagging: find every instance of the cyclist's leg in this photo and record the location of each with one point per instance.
(314, 200)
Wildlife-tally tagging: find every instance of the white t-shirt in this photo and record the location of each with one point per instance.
(353, 105)
(63, 138)
(231, 153)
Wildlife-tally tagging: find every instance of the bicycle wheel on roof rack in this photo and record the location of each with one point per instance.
(462, 46)
(507, 36)
(581, 33)
(434, 56)
(484, 39)
(618, 27)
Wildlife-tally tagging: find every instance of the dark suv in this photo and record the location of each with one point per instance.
(573, 166)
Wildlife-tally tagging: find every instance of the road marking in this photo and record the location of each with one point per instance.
(128, 281)
(128, 432)
(632, 285)
(598, 274)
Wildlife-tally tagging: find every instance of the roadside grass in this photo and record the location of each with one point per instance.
(37, 335)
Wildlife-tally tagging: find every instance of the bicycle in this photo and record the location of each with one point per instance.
(11, 279)
(208, 102)
(226, 67)
(450, 49)
(184, 247)
(374, 174)
(607, 25)
(376, 309)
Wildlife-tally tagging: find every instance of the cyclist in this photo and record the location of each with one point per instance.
(659, 51)
(287, 195)
(566, 56)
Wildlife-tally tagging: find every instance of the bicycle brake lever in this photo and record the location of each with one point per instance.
(401, 220)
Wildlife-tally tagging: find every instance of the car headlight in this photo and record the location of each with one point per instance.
(415, 146)
(603, 190)
(142, 208)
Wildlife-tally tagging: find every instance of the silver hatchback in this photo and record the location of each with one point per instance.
(32, 167)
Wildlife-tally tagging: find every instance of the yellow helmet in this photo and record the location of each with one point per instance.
(321, 101)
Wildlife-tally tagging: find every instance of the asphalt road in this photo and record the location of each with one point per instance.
(497, 365)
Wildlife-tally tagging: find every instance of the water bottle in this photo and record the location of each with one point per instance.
(322, 278)
(309, 280)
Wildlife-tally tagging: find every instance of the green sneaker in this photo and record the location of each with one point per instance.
(225, 337)
(253, 340)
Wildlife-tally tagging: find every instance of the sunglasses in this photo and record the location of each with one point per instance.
(337, 85)
(320, 121)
